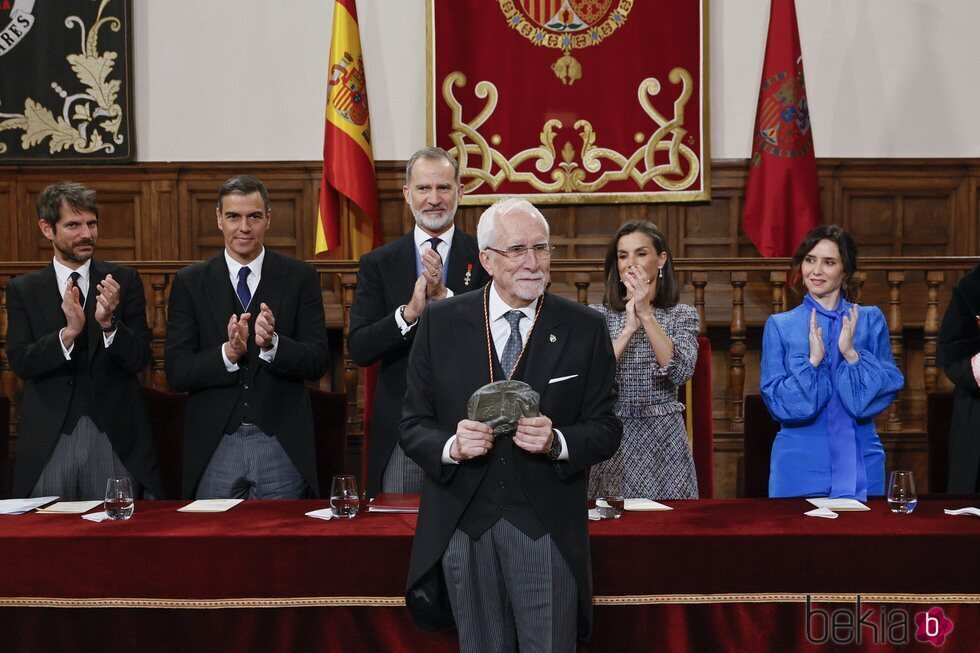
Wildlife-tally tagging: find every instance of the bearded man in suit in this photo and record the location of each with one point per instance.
(501, 549)
(394, 285)
(77, 335)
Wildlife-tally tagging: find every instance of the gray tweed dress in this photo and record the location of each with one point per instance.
(654, 458)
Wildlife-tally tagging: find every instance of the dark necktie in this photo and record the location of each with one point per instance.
(75, 276)
(514, 343)
(434, 241)
(244, 294)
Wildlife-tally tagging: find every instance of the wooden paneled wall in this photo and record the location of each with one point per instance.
(165, 211)
(909, 213)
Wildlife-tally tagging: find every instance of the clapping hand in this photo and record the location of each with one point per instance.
(846, 340)
(432, 271)
(106, 301)
(74, 314)
(265, 327)
(817, 350)
(237, 343)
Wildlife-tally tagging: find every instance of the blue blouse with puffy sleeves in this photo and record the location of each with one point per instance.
(797, 395)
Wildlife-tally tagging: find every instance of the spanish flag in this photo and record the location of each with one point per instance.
(348, 196)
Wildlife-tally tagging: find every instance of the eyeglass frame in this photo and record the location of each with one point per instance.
(518, 252)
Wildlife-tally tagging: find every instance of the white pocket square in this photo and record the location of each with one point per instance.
(559, 379)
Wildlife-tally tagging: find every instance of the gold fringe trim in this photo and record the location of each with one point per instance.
(397, 601)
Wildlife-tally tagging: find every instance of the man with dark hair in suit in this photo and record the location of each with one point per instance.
(501, 548)
(77, 334)
(394, 285)
(245, 330)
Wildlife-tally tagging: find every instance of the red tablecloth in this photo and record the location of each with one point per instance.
(701, 567)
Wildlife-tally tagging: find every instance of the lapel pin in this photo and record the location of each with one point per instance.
(553, 338)
(468, 275)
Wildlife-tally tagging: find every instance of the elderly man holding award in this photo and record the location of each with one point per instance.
(501, 550)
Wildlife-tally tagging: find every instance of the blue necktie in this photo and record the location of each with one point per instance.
(514, 343)
(75, 276)
(244, 294)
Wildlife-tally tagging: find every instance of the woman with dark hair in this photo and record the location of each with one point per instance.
(655, 341)
(827, 371)
(958, 353)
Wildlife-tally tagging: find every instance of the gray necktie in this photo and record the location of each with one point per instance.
(513, 347)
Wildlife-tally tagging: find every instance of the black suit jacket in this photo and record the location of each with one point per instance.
(959, 341)
(385, 280)
(448, 363)
(201, 302)
(34, 319)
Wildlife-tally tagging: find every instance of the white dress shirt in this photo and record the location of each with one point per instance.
(63, 273)
(252, 281)
(500, 332)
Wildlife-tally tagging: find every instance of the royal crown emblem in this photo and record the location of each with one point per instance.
(783, 125)
(347, 89)
(566, 25)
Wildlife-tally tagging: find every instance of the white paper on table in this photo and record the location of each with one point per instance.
(20, 506)
(963, 511)
(826, 513)
(842, 505)
(323, 513)
(70, 507)
(210, 505)
(96, 516)
(594, 514)
(644, 505)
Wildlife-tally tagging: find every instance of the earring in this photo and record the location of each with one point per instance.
(660, 272)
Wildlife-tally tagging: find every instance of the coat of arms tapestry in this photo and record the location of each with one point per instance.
(569, 101)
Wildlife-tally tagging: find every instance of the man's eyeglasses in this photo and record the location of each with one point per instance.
(517, 252)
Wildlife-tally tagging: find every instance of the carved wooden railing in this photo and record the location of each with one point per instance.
(732, 297)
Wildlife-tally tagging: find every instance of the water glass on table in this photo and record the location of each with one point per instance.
(119, 498)
(901, 492)
(609, 499)
(344, 501)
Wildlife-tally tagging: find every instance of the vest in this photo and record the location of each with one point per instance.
(500, 494)
(252, 406)
(81, 382)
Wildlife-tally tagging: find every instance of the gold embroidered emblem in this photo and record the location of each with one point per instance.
(566, 25)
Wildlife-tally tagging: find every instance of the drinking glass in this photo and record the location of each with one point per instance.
(344, 501)
(609, 499)
(119, 498)
(901, 492)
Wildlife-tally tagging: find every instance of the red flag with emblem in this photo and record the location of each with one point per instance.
(782, 196)
(348, 161)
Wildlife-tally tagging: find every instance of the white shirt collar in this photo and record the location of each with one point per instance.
(446, 237)
(62, 272)
(255, 266)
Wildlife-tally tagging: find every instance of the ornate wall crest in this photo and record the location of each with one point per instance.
(566, 25)
(619, 116)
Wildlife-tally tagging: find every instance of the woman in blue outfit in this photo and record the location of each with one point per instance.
(827, 370)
